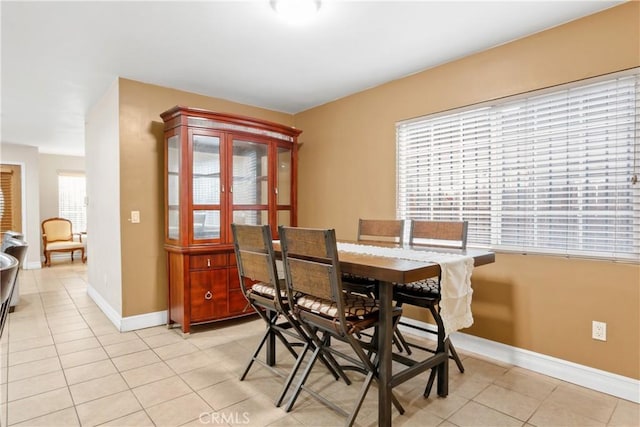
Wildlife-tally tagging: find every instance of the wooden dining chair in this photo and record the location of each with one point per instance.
(266, 294)
(314, 289)
(381, 230)
(373, 231)
(426, 293)
(376, 231)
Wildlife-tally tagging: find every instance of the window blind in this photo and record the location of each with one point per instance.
(71, 200)
(6, 201)
(554, 172)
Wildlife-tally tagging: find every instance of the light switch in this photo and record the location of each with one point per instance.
(135, 217)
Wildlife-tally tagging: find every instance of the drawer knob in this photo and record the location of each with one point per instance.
(208, 262)
(208, 295)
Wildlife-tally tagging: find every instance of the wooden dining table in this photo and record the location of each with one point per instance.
(387, 271)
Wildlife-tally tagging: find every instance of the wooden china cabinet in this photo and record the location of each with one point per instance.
(220, 169)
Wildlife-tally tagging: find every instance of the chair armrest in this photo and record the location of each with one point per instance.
(44, 240)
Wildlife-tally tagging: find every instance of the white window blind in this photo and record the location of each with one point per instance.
(551, 173)
(71, 200)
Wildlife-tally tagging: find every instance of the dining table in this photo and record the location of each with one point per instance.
(388, 270)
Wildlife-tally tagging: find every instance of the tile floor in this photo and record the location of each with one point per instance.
(67, 365)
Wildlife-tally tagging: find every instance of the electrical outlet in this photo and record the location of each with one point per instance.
(599, 330)
(135, 217)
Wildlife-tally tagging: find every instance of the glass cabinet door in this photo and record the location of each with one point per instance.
(173, 187)
(283, 186)
(250, 189)
(206, 186)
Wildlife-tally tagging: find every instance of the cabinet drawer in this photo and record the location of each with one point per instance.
(203, 262)
(208, 295)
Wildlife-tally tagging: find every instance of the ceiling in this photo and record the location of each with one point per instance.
(59, 58)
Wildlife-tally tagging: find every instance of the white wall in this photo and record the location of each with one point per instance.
(50, 165)
(102, 163)
(27, 157)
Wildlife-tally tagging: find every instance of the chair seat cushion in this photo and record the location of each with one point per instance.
(267, 290)
(359, 280)
(427, 287)
(263, 289)
(57, 246)
(355, 306)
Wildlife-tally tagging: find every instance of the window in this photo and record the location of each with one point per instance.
(72, 199)
(555, 172)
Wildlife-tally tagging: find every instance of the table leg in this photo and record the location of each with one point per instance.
(384, 350)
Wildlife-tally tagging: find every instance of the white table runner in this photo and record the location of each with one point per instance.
(455, 280)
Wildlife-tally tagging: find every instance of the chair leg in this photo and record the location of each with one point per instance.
(255, 354)
(455, 357)
(303, 379)
(363, 393)
(292, 375)
(401, 342)
(432, 377)
(271, 320)
(399, 338)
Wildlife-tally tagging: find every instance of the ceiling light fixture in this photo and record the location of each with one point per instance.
(296, 11)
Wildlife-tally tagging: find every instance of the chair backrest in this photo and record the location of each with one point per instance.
(445, 234)
(311, 264)
(381, 230)
(255, 257)
(57, 229)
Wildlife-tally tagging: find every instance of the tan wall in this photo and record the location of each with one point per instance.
(543, 304)
(144, 277)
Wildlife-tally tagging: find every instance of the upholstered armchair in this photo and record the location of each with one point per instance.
(58, 236)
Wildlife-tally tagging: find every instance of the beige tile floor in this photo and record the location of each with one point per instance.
(67, 365)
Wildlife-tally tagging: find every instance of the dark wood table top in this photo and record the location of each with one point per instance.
(390, 269)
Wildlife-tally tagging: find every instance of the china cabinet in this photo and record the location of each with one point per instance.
(220, 169)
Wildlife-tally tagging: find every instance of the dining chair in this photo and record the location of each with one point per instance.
(376, 231)
(426, 293)
(373, 231)
(266, 294)
(314, 289)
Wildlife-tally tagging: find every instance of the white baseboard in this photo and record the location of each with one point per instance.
(106, 308)
(129, 323)
(141, 321)
(33, 265)
(585, 376)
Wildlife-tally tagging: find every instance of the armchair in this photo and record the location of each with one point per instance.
(58, 236)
